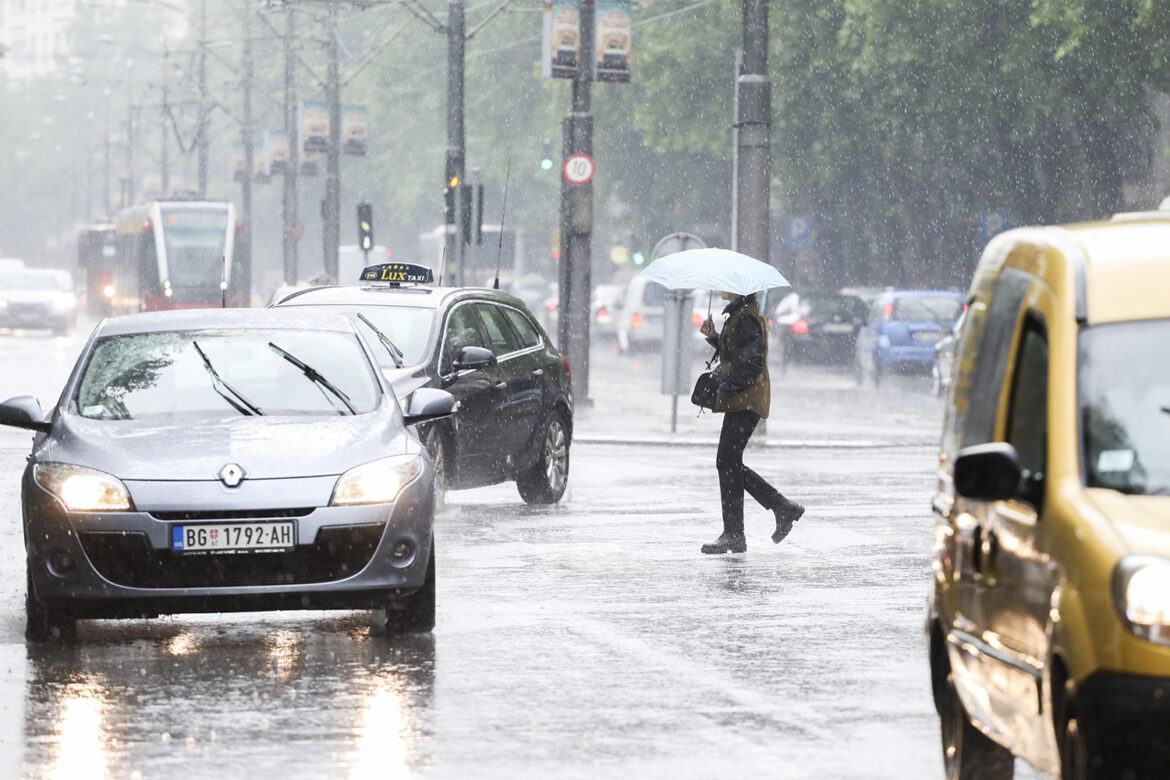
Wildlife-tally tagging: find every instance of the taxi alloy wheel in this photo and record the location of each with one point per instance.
(545, 482)
(44, 624)
(968, 753)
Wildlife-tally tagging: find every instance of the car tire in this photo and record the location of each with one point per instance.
(414, 614)
(858, 371)
(43, 623)
(879, 373)
(439, 451)
(546, 481)
(936, 376)
(968, 753)
(1075, 763)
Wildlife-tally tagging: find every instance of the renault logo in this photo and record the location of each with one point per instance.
(231, 475)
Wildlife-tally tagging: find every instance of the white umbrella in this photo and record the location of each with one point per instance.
(714, 269)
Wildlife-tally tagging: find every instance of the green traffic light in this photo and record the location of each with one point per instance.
(639, 258)
(546, 164)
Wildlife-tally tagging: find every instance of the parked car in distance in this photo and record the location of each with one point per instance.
(604, 311)
(901, 330)
(1048, 619)
(37, 298)
(944, 358)
(819, 327)
(224, 460)
(643, 310)
(514, 422)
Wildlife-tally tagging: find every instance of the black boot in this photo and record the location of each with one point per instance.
(727, 542)
(787, 512)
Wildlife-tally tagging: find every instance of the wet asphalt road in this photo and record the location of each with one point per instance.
(585, 640)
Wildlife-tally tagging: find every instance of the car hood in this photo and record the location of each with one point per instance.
(194, 450)
(33, 296)
(1142, 521)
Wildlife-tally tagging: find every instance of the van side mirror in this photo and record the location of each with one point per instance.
(471, 358)
(992, 472)
(428, 403)
(24, 411)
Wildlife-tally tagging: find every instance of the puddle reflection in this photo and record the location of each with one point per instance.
(299, 697)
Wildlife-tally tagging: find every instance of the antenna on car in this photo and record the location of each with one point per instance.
(503, 210)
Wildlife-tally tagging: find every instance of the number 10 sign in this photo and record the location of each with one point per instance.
(579, 169)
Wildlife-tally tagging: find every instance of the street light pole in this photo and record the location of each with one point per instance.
(332, 211)
(245, 254)
(290, 126)
(456, 135)
(754, 126)
(202, 141)
(577, 219)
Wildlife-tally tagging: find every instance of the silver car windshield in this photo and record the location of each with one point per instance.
(1125, 403)
(202, 374)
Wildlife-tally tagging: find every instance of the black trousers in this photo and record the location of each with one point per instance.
(734, 477)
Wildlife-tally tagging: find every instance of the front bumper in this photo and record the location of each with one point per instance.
(119, 564)
(1125, 720)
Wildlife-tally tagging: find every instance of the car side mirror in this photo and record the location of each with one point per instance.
(24, 411)
(471, 358)
(992, 472)
(428, 403)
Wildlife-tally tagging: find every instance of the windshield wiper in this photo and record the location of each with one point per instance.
(395, 352)
(315, 376)
(240, 403)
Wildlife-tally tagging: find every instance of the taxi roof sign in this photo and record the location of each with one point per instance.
(398, 273)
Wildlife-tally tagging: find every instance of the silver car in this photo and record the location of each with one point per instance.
(226, 460)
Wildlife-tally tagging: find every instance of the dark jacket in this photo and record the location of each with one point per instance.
(743, 359)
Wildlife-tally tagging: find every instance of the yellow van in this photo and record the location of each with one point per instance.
(1048, 621)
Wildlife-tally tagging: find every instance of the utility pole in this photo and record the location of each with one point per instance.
(290, 126)
(106, 178)
(202, 140)
(245, 253)
(456, 136)
(754, 133)
(332, 210)
(128, 182)
(163, 162)
(577, 220)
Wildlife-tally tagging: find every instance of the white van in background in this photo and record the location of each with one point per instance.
(643, 309)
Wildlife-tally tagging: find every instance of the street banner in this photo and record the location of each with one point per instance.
(561, 42)
(355, 130)
(315, 126)
(311, 164)
(613, 25)
(277, 151)
(239, 161)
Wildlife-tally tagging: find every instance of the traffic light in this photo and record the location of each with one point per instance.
(449, 200)
(477, 224)
(546, 157)
(638, 258)
(365, 218)
(465, 212)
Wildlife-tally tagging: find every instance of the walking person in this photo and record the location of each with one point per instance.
(744, 396)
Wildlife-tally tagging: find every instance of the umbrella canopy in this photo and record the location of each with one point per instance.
(714, 269)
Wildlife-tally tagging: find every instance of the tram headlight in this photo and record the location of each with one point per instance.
(109, 291)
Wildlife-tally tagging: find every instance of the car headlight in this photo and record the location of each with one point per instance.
(83, 489)
(1141, 591)
(377, 482)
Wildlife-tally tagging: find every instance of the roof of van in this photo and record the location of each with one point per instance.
(1127, 266)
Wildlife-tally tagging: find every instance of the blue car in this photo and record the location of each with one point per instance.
(902, 329)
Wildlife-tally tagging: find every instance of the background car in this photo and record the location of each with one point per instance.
(37, 298)
(604, 311)
(817, 327)
(944, 358)
(514, 421)
(643, 310)
(176, 475)
(901, 330)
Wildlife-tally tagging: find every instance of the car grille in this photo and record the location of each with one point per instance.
(127, 559)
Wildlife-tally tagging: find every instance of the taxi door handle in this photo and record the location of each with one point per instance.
(538, 372)
(501, 385)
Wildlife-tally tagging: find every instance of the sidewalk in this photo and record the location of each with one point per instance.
(812, 407)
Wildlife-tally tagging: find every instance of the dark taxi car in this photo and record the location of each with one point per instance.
(514, 420)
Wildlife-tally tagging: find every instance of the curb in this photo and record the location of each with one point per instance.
(792, 444)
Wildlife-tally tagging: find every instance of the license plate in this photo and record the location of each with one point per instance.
(838, 327)
(233, 537)
(928, 335)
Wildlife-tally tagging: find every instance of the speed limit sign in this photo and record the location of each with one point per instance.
(579, 169)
